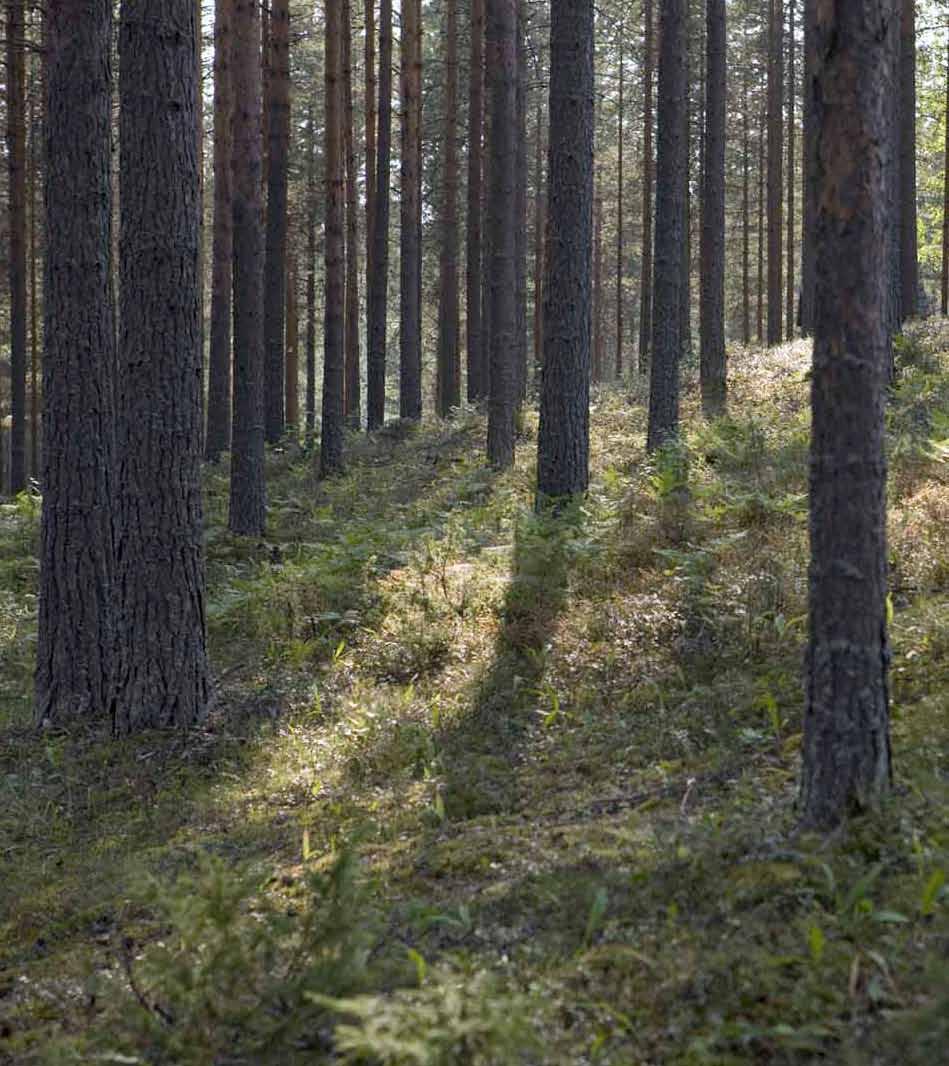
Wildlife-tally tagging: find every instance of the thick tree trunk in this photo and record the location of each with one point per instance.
(501, 67)
(809, 169)
(620, 216)
(16, 163)
(248, 503)
(353, 373)
(218, 436)
(75, 633)
(846, 730)
(775, 167)
(334, 369)
(712, 293)
(646, 272)
(275, 270)
(379, 278)
(670, 226)
(163, 678)
(410, 300)
(564, 436)
(475, 352)
(449, 363)
(909, 269)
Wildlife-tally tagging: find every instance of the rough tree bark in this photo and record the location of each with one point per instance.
(620, 216)
(670, 223)
(540, 225)
(645, 292)
(909, 268)
(410, 301)
(293, 344)
(379, 278)
(712, 291)
(474, 340)
(448, 391)
(312, 207)
(745, 212)
(353, 375)
(218, 436)
(501, 68)
(248, 502)
(563, 444)
(163, 678)
(16, 216)
(846, 729)
(945, 204)
(809, 169)
(76, 626)
(775, 167)
(371, 108)
(791, 174)
(520, 208)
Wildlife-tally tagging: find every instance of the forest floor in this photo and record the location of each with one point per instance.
(483, 788)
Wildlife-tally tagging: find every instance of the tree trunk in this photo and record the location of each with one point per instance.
(745, 211)
(540, 225)
(275, 270)
(293, 345)
(16, 162)
(218, 437)
(501, 67)
(712, 292)
(161, 653)
(371, 109)
(410, 300)
(670, 226)
(775, 167)
(32, 196)
(353, 374)
(620, 175)
(909, 269)
(449, 364)
(520, 208)
(248, 503)
(334, 369)
(475, 343)
(564, 437)
(789, 289)
(846, 729)
(312, 207)
(685, 248)
(75, 632)
(945, 203)
(809, 168)
(762, 136)
(646, 272)
(379, 279)
(599, 354)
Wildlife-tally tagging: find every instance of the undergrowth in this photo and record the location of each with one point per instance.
(483, 787)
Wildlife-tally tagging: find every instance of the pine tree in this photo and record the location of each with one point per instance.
(410, 301)
(475, 348)
(16, 220)
(449, 365)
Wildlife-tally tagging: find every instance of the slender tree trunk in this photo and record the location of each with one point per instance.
(520, 207)
(353, 373)
(248, 502)
(449, 363)
(745, 212)
(312, 208)
(475, 342)
(685, 257)
(646, 275)
(620, 177)
(293, 345)
(501, 67)
(761, 231)
(775, 165)
(218, 436)
(275, 270)
(540, 224)
(76, 626)
(789, 309)
(712, 292)
(809, 170)
(16, 162)
(334, 368)
(599, 354)
(846, 728)
(894, 178)
(670, 226)
(379, 278)
(564, 435)
(410, 301)
(371, 108)
(163, 678)
(32, 196)
(945, 204)
(909, 270)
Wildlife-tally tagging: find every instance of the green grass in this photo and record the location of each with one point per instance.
(479, 787)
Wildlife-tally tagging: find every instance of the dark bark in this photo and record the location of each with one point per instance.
(944, 304)
(32, 197)
(762, 139)
(846, 730)
(163, 678)
(16, 216)
(334, 369)
(353, 374)
(670, 227)
(775, 168)
(410, 300)
(791, 172)
(685, 248)
(218, 437)
(75, 633)
(275, 269)
(620, 216)
(475, 351)
(563, 445)
(379, 278)
(809, 167)
(745, 212)
(520, 208)
(909, 257)
(540, 225)
(893, 184)
(501, 72)
(712, 294)
(248, 502)
(449, 363)
(371, 109)
(646, 272)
